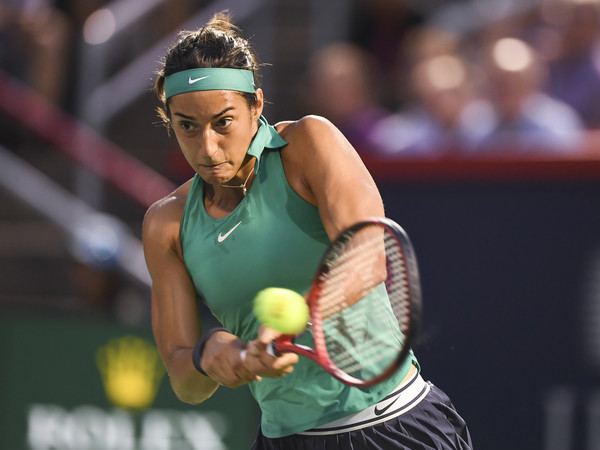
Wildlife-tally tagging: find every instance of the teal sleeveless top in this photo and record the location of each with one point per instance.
(273, 238)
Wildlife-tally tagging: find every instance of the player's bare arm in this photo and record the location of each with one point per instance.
(323, 168)
(174, 308)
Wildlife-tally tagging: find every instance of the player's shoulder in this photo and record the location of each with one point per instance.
(310, 127)
(166, 211)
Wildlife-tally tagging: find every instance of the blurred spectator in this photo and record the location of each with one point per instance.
(445, 115)
(35, 45)
(527, 120)
(80, 11)
(343, 86)
(574, 62)
(379, 27)
(421, 44)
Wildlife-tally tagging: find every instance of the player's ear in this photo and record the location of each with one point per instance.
(260, 104)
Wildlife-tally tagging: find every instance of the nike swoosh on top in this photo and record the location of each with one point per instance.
(221, 238)
(194, 80)
(379, 412)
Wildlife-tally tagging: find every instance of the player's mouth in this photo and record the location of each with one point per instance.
(213, 167)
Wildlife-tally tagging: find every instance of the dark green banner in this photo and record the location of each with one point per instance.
(87, 385)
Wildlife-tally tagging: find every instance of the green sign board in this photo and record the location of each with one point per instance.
(88, 385)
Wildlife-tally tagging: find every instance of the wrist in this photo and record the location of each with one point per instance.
(199, 348)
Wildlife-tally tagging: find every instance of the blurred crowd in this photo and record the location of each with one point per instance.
(451, 78)
(39, 39)
(471, 81)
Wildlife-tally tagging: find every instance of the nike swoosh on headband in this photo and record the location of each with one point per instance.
(194, 80)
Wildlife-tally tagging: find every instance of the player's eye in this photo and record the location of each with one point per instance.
(224, 122)
(186, 126)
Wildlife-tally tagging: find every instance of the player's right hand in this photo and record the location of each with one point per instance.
(258, 360)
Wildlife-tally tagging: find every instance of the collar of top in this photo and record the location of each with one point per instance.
(266, 137)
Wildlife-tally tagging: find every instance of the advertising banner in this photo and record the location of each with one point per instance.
(87, 385)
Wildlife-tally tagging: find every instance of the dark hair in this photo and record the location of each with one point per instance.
(219, 43)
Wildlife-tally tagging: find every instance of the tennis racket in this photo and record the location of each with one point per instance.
(364, 304)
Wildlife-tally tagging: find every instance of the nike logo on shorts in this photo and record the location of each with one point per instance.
(379, 412)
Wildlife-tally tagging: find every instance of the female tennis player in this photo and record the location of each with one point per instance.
(260, 211)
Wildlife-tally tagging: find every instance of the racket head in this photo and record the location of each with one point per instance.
(365, 304)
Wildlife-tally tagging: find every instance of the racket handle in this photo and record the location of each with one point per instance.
(272, 349)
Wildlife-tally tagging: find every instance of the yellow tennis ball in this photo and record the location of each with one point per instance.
(281, 309)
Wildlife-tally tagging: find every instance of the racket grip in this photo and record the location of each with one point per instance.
(272, 349)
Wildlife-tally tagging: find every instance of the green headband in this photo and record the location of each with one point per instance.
(209, 79)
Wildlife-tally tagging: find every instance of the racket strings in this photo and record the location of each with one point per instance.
(364, 303)
(356, 261)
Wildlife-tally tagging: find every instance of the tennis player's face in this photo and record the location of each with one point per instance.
(214, 130)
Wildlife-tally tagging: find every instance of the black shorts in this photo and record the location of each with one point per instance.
(432, 424)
